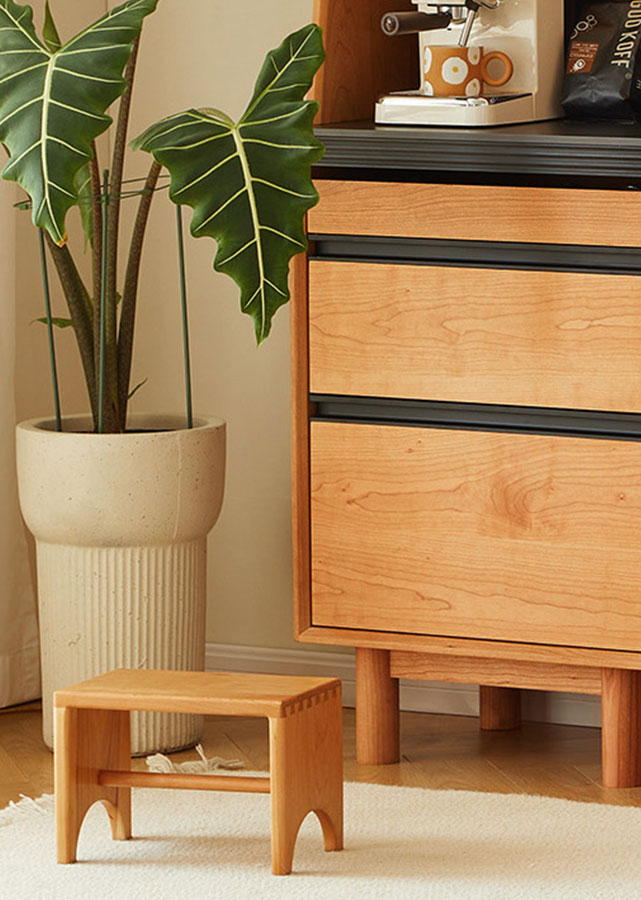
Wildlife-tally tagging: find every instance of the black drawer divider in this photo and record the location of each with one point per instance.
(477, 254)
(476, 417)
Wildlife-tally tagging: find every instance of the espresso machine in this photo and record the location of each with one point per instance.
(531, 32)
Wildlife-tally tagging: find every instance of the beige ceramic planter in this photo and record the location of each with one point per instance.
(120, 523)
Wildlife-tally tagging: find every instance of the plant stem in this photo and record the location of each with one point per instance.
(79, 303)
(103, 298)
(113, 227)
(98, 237)
(117, 167)
(185, 320)
(106, 263)
(130, 292)
(52, 346)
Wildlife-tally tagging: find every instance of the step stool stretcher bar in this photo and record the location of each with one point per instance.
(125, 778)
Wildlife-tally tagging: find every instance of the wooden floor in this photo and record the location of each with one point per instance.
(437, 752)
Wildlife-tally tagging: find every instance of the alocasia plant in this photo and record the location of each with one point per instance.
(248, 182)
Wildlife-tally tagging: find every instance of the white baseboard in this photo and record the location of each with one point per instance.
(416, 696)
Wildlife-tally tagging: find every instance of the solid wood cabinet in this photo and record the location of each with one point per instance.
(466, 363)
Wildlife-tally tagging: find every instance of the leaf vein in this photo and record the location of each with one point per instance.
(14, 162)
(279, 146)
(24, 30)
(237, 253)
(278, 187)
(61, 189)
(275, 288)
(89, 77)
(252, 298)
(253, 206)
(22, 72)
(197, 144)
(19, 109)
(205, 174)
(288, 115)
(57, 140)
(283, 235)
(221, 208)
(81, 112)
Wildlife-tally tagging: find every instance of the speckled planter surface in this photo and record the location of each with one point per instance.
(120, 523)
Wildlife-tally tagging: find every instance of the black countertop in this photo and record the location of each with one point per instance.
(576, 149)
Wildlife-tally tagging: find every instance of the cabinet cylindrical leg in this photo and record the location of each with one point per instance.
(377, 728)
(500, 708)
(621, 726)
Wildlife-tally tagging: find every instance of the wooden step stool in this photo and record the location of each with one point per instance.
(92, 749)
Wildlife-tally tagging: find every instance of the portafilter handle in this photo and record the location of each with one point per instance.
(394, 23)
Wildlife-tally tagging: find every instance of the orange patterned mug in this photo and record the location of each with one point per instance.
(461, 71)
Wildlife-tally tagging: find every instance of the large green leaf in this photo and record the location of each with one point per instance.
(249, 182)
(53, 102)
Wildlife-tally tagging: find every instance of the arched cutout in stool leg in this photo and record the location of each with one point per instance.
(119, 816)
(284, 846)
(332, 832)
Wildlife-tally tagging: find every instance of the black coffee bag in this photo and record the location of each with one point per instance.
(603, 71)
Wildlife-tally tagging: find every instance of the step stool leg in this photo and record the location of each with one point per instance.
(306, 762)
(86, 741)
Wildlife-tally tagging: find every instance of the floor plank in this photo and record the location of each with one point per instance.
(437, 752)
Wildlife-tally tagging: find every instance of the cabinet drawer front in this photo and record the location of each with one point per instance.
(530, 338)
(527, 538)
(477, 212)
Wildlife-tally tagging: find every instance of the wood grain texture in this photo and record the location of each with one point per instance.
(496, 672)
(362, 62)
(300, 413)
(515, 537)
(306, 770)
(499, 708)
(506, 651)
(203, 693)
(477, 212)
(86, 741)
(531, 338)
(621, 728)
(377, 709)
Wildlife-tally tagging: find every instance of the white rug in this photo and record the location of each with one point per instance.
(401, 843)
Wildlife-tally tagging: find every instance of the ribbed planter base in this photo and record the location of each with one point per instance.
(121, 523)
(123, 607)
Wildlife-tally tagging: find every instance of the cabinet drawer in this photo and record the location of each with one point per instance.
(531, 338)
(527, 538)
(477, 212)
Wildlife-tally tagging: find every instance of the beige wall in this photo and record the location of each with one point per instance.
(200, 52)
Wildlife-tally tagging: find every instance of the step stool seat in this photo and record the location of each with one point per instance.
(93, 750)
(202, 693)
